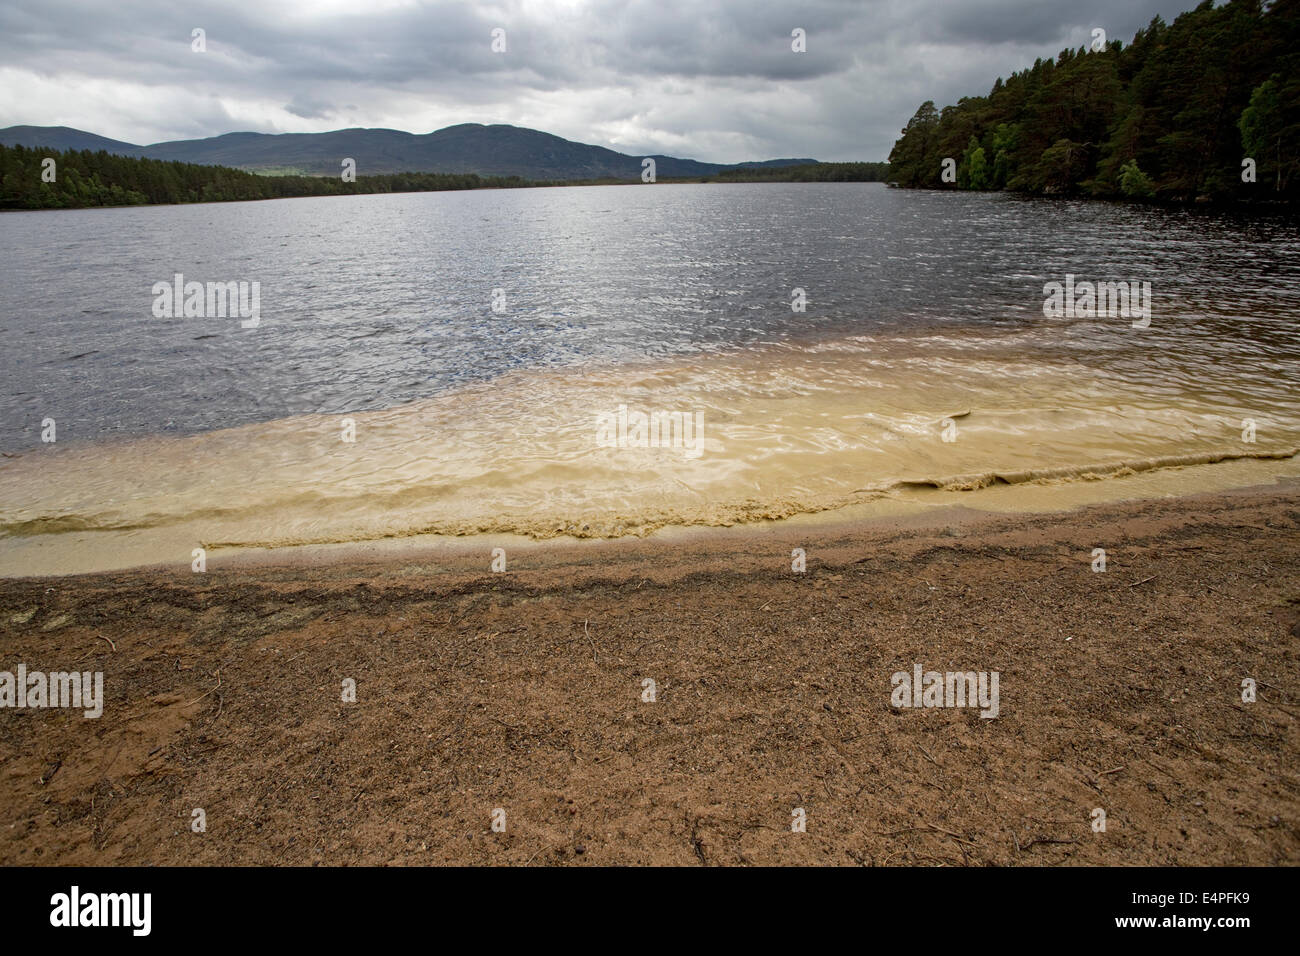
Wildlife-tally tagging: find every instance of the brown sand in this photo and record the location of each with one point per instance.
(523, 691)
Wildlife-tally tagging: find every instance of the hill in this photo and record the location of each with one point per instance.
(495, 151)
(64, 137)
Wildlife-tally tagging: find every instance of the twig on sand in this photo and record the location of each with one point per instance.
(928, 826)
(1045, 840)
(1143, 581)
(697, 844)
(1091, 778)
(594, 659)
(548, 846)
(959, 839)
(929, 756)
(197, 699)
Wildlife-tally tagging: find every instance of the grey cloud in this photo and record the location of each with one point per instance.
(712, 79)
(1052, 25)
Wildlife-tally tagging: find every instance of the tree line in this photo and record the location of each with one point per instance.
(80, 178)
(809, 173)
(1205, 108)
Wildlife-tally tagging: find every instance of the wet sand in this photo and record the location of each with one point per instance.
(523, 691)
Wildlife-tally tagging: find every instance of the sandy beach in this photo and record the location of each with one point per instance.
(522, 692)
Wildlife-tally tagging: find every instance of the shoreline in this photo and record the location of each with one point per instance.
(375, 191)
(827, 430)
(1220, 204)
(45, 556)
(522, 690)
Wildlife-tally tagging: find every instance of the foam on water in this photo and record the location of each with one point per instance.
(788, 430)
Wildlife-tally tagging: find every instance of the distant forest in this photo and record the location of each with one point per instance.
(84, 178)
(809, 173)
(1171, 117)
(102, 179)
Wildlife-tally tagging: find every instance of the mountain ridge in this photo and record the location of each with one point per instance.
(486, 149)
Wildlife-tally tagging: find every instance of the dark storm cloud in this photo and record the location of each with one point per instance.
(713, 79)
(1067, 24)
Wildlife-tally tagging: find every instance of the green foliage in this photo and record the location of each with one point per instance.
(1059, 168)
(1134, 183)
(1270, 130)
(1005, 140)
(914, 160)
(973, 172)
(1170, 116)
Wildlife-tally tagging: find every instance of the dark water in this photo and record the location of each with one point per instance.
(368, 302)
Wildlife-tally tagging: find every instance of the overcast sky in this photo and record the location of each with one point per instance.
(714, 80)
